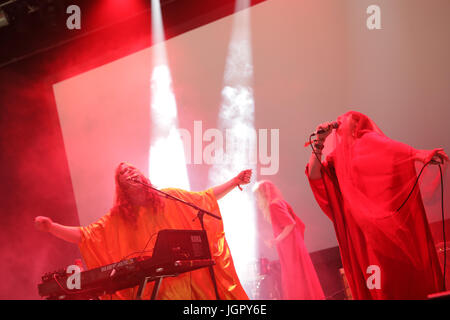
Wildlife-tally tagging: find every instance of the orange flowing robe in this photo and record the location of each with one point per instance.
(111, 238)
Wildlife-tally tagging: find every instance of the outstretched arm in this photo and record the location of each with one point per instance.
(242, 178)
(69, 234)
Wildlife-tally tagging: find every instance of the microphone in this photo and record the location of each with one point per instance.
(133, 177)
(333, 125)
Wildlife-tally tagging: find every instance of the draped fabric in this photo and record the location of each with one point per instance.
(112, 238)
(366, 177)
(299, 280)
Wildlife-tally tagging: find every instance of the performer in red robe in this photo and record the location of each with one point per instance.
(299, 280)
(386, 246)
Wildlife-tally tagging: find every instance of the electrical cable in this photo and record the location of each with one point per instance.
(407, 198)
(443, 226)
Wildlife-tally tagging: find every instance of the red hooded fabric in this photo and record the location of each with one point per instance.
(366, 177)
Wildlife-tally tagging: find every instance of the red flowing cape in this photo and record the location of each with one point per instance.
(386, 253)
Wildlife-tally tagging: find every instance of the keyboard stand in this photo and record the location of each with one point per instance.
(156, 288)
(141, 288)
(143, 284)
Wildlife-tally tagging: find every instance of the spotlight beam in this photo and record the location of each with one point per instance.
(237, 118)
(167, 164)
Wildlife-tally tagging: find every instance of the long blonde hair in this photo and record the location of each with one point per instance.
(267, 192)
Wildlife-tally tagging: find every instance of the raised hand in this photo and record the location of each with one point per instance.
(325, 126)
(435, 156)
(440, 156)
(243, 177)
(43, 223)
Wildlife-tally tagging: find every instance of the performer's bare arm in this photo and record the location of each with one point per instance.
(314, 165)
(283, 234)
(242, 178)
(69, 234)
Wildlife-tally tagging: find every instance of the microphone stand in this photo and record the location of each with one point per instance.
(200, 214)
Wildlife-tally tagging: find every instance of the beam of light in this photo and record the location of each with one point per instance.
(237, 119)
(167, 164)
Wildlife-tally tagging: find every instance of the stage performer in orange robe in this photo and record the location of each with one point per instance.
(133, 223)
(385, 243)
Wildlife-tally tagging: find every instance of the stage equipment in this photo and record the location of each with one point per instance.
(175, 252)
